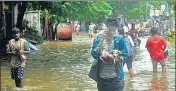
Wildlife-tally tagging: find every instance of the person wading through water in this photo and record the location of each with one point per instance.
(110, 66)
(130, 46)
(156, 46)
(16, 48)
(134, 35)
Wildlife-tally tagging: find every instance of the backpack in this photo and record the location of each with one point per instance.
(129, 46)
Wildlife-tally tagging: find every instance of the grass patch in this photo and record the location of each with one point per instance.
(171, 39)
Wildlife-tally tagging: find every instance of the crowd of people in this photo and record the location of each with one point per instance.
(113, 47)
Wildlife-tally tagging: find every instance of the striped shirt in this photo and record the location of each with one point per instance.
(107, 68)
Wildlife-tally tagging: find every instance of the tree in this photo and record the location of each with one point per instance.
(21, 11)
(75, 10)
(134, 10)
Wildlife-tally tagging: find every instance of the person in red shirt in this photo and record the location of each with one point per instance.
(156, 46)
(133, 32)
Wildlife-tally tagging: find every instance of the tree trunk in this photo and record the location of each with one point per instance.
(3, 28)
(46, 25)
(21, 10)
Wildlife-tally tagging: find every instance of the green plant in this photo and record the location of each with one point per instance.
(30, 33)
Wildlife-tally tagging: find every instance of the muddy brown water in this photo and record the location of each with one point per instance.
(64, 65)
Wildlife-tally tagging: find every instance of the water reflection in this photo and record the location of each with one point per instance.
(158, 83)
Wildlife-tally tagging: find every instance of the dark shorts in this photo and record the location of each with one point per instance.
(129, 62)
(111, 84)
(17, 72)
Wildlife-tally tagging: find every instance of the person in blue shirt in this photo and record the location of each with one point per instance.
(110, 66)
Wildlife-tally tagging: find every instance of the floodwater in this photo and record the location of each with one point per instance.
(64, 65)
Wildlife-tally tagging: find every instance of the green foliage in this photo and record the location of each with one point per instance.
(31, 33)
(39, 5)
(134, 10)
(95, 10)
(74, 10)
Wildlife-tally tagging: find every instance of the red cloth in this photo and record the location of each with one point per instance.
(156, 45)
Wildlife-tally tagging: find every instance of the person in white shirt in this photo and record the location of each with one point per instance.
(77, 28)
(104, 27)
(91, 29)
(126, 28)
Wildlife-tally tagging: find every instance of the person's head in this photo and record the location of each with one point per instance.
(121, 31)
(112, 25)
(17, 33)
(154, 30)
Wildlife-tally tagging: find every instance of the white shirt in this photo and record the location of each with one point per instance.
(91, 27)
(77, 27)
(125, 28)
(104, 27)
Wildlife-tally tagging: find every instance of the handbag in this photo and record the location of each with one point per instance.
(93, 73)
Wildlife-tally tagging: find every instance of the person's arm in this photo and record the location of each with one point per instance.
(148, 49)
(24, 52)
(26, 48)
(148, 45)
(131, 41)
(101, 43)
(165, 47)
(121, 46)
(96, 51)
(124, 50)
(136, 32)
(164, 43)
(9, 49)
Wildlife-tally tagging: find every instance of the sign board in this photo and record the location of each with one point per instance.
(155, 13)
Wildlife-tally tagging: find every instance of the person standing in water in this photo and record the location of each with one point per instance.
(91, 29)
(110, 67)
(130, 46)
(16, 48)
(156, 46)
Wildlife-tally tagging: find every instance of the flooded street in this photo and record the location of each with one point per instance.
(64, 65)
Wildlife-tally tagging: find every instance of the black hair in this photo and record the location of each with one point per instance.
(112, 22)
(154, 30)
(121, 31)
(16, 30)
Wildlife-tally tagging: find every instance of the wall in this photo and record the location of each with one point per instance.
(33, 17)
